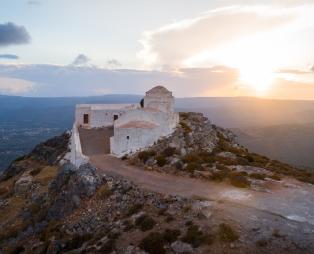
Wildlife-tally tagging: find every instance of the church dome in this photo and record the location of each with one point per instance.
(159, 91)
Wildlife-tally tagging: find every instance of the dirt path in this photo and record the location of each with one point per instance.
(288, 199)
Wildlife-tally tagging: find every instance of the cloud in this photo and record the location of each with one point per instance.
(11, 34)
(9, 56)
(113, 63)
(81, 60)
(295, 71)
(33, 2)
(15, 86)
(53, 80)
(174, 43)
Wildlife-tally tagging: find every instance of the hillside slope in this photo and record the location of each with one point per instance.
(49, 206)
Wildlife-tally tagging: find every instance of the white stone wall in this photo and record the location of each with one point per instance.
(77, 157)
(100, 115)
(139, 138)
(165, 104)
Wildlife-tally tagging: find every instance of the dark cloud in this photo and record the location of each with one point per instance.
(11, 34)
(9, 56)
(80, 60)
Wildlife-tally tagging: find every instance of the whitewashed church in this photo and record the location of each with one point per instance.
(133, 126)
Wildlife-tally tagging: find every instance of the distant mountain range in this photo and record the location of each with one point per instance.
(280, 129)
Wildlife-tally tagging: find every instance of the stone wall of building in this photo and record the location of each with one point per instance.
(77, 157)
(126, 140)
(131, 139)
(100, 115)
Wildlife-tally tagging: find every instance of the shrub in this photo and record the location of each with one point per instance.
(3, 191)
(178, 165)
(145, 155)
(196, 237)
(169, 151)
(218, 176)
(185, 127)
(161, 160)
(193, 166)
(108, 246)
(35, 171)
(257, 176)
(153, 243)
(191, 157)
(104, 191)
(169, 218)
(145, 222)
(239, 180)
(226, 233)
(135, 208)
(261, 243)
(275, 177)
(171, 235)
(127, 225)
(124, 157)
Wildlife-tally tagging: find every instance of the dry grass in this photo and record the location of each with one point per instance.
(47, 174)
(12, 210)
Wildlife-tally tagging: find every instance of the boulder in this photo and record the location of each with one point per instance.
(23, 185)
(70, 186)
(181, 247)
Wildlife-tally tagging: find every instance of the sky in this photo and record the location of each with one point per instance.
(193, 47)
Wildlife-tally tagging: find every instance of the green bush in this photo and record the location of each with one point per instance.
(239, 180)
(227, 233)
(171, 235)
(145, 222)
(161, 160)
(153, 243)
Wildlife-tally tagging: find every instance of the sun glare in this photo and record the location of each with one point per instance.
(260, 78)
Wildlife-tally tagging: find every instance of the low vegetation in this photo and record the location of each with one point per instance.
(153, 243)
(145, 222)
(227, 233)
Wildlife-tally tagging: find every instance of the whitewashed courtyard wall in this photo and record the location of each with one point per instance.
(100, 115)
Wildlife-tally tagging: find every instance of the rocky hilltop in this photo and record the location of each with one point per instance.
(49, 206)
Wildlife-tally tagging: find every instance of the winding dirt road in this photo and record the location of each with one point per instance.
(290, 199)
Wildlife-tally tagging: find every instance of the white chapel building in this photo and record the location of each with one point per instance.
(135, 126)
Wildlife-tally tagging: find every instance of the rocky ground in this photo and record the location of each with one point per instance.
(46, 207)
(202, 150)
